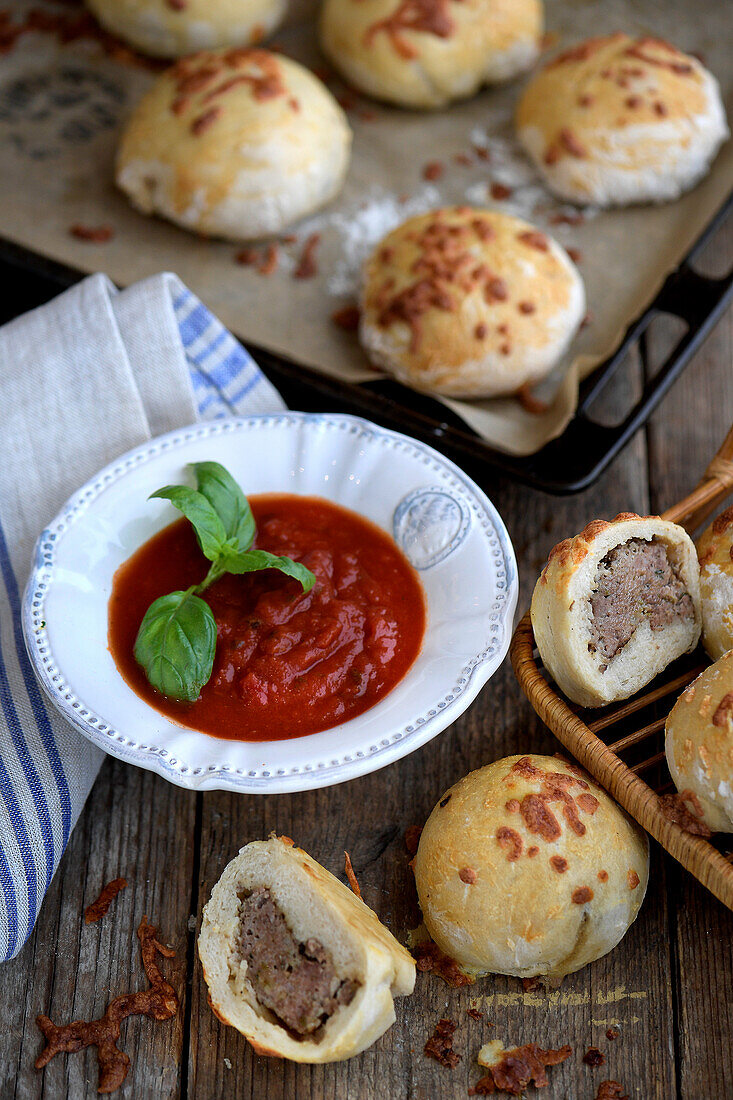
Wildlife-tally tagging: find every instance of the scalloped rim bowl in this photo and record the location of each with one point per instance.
(441, 519)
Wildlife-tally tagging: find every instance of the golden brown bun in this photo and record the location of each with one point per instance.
(425, 53)
(715, 554)
(314, 904)
(162, 28)
(622, 120)
(526, 867)
(699, 744)
(469, 303)
(234, 143)
(561, 612)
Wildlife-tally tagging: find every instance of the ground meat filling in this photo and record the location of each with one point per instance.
(296, 981)
(635, 581)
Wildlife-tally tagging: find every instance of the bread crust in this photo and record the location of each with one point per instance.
(314, 903)
(427, 53)
(561, 612)
(715, 554)
(699, 744)
(234, 143)
(619, 120)
(469, 303)
(558, 869)
(162, 29)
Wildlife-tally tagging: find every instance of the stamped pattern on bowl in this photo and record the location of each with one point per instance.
(428, 525)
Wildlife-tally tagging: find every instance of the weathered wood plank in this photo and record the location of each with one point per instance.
(683, 437)
(139, 827)
(368, 816)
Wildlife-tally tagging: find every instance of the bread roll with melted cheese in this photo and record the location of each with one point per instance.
(426, 53)
(234, 143)
(615, 605)
(699, 745)
(173, 28)
(526, 867)
(715, 554)
(469, 303)
(295, 961)
(620, 120)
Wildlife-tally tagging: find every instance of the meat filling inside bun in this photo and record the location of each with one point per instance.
(635, 581)
(296, 981)
(296, 961)
(615, 605)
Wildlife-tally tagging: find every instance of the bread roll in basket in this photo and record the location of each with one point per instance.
(699, 745)
(615, 605)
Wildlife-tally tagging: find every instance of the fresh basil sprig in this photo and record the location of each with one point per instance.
(176, 641)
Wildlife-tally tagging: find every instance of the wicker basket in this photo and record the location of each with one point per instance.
(602, 756)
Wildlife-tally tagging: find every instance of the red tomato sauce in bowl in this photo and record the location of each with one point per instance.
(287, 663)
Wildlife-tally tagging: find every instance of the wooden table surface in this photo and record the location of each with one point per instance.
(668, 986)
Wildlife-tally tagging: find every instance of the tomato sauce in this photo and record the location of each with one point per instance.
(287, 663)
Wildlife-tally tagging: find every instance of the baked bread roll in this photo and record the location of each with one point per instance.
(426, 53)
(295, 961)
(173, 28)
(615, 605)
(526, 867)
(235, 143)
(715, 554)
(620, 120)
(699, 745)
(469, 303)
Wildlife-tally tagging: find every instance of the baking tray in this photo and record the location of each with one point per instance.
(622, 744)
(567, 464)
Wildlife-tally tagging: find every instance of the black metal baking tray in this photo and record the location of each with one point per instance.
(565, 465)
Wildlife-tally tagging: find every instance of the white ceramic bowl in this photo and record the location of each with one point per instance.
(441, 519)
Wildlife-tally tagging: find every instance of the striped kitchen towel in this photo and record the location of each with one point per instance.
(84, 378)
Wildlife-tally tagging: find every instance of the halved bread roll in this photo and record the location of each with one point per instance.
(295, 961)
(615, 605)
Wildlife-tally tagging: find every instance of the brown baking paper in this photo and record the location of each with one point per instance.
(61, 107)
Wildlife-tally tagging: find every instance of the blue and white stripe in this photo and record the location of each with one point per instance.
(46, 767)
(226, 380)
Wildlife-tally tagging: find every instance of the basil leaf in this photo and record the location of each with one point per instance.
(176, 643)
(253, 560)
(196, 508)
(228, 501)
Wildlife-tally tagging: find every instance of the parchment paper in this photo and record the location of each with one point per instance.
(61, 107)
